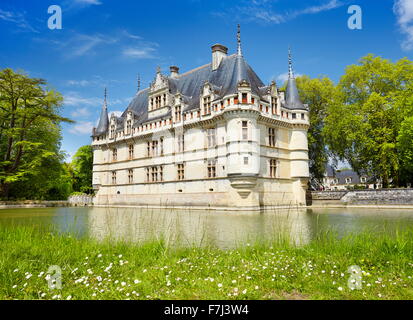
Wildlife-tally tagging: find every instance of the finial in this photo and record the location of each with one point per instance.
(290, 64)
(139, 82)
(105, 105)
(239, 39)
(158, 69)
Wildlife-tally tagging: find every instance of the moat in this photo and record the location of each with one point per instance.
(199, 228)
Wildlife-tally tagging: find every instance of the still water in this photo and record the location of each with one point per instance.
(219, 228)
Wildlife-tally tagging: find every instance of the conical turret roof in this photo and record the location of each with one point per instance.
(292, 99)
(103, 120)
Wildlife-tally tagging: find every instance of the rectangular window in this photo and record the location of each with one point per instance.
(129, 127)
(271, 137)
(130, 176)
(245, 160)
(177, 113)
(181, 171)
(154, 148)
(148, 176)
(131, 151)
(211, 134)
(154, 171)
(161, 145)
(114, 154)
(181, 143)
(273, 168)
(302, 116)
(207, 105)
(294, 115)
(236, 100)
(112, 131)
(212, 168)
(113, 177)
(244, 98)
(161, 173)
(245, 130)
(273, 104)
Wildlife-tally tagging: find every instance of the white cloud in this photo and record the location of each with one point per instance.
(80, 113)
(139, 52)
(74, 99)
(82, 128)
(88, 2)
(78, 83)
(263, 11)
(403, 9)
(284, 77)
(18, 19)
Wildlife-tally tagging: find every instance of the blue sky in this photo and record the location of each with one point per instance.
(106, 43)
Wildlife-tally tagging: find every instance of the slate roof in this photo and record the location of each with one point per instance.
(341, 175)
(224, 81)
(103, 122)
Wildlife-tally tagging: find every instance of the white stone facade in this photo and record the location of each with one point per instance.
(241, 150)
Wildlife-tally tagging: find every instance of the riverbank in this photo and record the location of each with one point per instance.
(152, 270)
(33, 204)
(401, 198)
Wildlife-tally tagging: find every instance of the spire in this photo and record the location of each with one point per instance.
(292, 99)
(239, 40)
(290, 65)
(139, 82)
(104, 119)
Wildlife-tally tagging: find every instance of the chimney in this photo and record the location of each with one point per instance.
(174, 71)
(219, 52)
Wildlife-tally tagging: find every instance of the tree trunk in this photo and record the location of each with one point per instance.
(4, 190)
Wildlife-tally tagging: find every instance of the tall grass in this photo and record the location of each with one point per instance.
(153, 269)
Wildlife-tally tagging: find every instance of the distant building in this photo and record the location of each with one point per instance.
(213, 136)
(347, 179)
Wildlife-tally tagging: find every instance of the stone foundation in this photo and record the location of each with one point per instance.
(368, 197)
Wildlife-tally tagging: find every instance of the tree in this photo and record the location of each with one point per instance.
(29, 127)
(319, 94)
(82, 165)
(405, 147)
(363, 129)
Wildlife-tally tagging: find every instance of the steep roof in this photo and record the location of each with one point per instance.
(103, 120)
(292, 98)
(224, 80)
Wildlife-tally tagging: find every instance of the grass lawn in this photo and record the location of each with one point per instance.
(152, 270)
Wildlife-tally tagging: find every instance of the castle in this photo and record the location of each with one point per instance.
(213, 137)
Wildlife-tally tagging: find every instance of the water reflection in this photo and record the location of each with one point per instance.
(218, 228)
(222, 229)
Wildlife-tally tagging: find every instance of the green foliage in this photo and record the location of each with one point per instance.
(364, 128)
(405, 146)
(82, 165)
(319, 94)
(30, 135)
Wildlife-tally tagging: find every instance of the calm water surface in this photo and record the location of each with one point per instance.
(222, 229)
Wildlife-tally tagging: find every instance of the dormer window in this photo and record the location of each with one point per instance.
(128, 127)
(177, 113)
(244, 98)
(207, 105)
(112, 131)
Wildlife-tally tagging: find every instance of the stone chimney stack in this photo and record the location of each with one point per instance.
(174, 71)
(219, 52)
